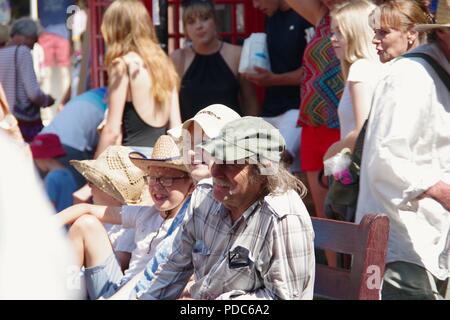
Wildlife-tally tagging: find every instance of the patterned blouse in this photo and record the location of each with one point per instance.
(322, 83)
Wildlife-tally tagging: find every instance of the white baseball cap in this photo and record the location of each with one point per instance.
(211, 119)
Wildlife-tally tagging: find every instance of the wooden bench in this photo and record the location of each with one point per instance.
(367, 243)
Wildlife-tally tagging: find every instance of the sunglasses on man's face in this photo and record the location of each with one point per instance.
(163, 181)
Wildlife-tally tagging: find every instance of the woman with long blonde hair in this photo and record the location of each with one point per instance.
(143, 83)
(352, 42)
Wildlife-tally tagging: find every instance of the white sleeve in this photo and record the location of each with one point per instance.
(130, 215)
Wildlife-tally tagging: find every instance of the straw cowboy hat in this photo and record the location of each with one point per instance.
(165, 154)
(442, 17)
(113, 173)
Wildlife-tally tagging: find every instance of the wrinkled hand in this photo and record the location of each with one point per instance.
(441, 193)
(262, 77)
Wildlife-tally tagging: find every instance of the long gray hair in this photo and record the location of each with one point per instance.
(279, 179)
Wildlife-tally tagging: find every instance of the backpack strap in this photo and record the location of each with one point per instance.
(445, 77)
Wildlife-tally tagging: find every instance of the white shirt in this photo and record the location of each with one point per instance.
(150, 229)
(406, 151)
(122, 239)
(368, 72)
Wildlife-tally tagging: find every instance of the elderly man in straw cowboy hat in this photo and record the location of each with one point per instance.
(405, 170)
(169, 185)
(248, 235)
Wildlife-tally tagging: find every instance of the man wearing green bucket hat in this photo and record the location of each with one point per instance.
(249, 234)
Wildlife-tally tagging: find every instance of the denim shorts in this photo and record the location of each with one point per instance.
(103, 280)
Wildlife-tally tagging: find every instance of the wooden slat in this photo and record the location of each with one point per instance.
(366, 242)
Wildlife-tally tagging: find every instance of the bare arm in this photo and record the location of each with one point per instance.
(441, 193)
(266, 78)
(361, 106)
(118, 87)
(175, 115)
(103, 213)
(247, 98)
(310, 10)
(176, 58)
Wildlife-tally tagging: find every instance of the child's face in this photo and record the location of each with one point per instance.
(168, 187)
(103, 199)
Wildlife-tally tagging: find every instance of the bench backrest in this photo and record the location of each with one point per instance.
(366, 242)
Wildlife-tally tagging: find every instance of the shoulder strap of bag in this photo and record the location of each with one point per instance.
(359, 143)
(445, 77)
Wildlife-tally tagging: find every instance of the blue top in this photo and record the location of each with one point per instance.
(54, 15)
(60, 184)
(433, 6)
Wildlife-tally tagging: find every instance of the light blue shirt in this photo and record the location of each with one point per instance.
(76, 125)
(163, 251)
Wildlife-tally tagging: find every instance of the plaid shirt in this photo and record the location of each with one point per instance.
(268, 253)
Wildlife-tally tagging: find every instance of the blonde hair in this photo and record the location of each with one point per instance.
(401, 15)
(127, 27)
(353, 23)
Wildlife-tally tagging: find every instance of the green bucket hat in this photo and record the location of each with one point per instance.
(246, 138)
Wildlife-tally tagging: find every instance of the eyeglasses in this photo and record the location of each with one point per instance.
(163, 181)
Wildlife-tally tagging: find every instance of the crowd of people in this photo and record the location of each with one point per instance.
(173, 183)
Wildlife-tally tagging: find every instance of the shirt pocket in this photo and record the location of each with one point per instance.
(200, 255)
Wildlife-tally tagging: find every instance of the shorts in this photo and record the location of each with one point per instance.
(56, 50)
(102, 280)
(315, 142)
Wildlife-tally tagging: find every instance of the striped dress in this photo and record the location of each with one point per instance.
(322, 83)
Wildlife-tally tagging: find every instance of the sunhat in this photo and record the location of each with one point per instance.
(442, 17)
(46, 145)
(211, 119)
(246, 138)
(165, 154)
(113, 173)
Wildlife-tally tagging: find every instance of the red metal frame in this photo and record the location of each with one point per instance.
(253, 22)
